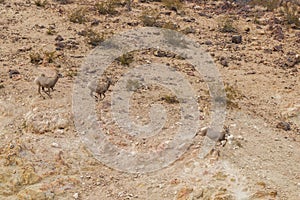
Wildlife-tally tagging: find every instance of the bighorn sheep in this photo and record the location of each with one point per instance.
(46, 82)
(99, 89)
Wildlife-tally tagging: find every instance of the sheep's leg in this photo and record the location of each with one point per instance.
(49, 93)
(39, 90)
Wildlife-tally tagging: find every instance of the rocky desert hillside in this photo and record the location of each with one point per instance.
(255, 46)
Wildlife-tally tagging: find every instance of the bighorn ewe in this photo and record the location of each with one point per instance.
(46, 82)
(99, 89)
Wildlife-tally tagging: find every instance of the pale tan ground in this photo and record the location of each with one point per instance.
(43, 157)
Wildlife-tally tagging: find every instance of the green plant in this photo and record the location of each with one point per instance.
(105, 8)
(173, 4)
(41, 3)
(170, 99)
(226, 25)
(35, 58)
(78, 16)
(49, 56)
(269, 4)
(125, 59)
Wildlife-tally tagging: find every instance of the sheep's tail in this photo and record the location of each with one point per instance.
(36, 80)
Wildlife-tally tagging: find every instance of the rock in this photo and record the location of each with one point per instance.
(95, 22)
(31, 193)
(237, 39)
(292, 114)
(76, 195)
(54, 144)
(208, 42)
(13, 72)
(224, 61)
(284, 126)
(203, 131)
(59, 38)
(277, 32)
(189, 19)
(184, 193)
(24, 49)
(277, 48)
(247, 30)
(41, 120)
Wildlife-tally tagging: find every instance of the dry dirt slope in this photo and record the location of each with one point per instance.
(42, 156)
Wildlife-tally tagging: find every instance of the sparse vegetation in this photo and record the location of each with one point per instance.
(125, 59)
(64, 1)
(170, 99)
(41, 3)
(94, 38)
(232, 95)
(269, 4)
(1, 86)
(50, 31)
(49, 56)
(175, 5)
(35, 58)
(149, 18)
(291, 14)
(170, 25)
(78, 16)
(226, 25)
(106, 8)
(132, 85)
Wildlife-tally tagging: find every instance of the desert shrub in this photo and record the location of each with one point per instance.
(226, 25)
(149, 18)
(170, 99)
(108, 8)
(291, 13)
(41, 3)
(35, 58)
(172, 4)
(269, 4)
(232, 96)
(94, 38)
(49, 56)
(125, 59)
(170, 25)
(132, 85)
(78, 16)
(64, 1)
(50, 31)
